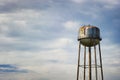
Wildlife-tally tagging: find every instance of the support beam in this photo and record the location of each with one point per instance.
(84, 62)
(95, 63)
(78, 61)
(101, 62)
(89, 65)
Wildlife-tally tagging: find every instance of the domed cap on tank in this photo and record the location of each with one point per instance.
(89, 35)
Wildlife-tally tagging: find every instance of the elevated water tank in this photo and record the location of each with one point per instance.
(89, 35)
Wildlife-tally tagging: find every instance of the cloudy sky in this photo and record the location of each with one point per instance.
(38, 38)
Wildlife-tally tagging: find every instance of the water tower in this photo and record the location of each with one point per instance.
(90, 63)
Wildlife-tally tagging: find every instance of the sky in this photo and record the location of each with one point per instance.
(38, 38)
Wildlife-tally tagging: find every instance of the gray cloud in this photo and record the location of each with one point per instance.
(9, 68)
(16, 5)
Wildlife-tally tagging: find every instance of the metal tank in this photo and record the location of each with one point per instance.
(89, 35)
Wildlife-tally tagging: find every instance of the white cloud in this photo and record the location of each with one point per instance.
(3, 2)
(19, 76)
(109, 4)
(4, 29)
(78, 1)
(58, 43)
(50, 64)
(112, 2)
(23, 14)
(17, 20)
(6, 40)
(71, 25)
(22, 22)
(111, 58)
